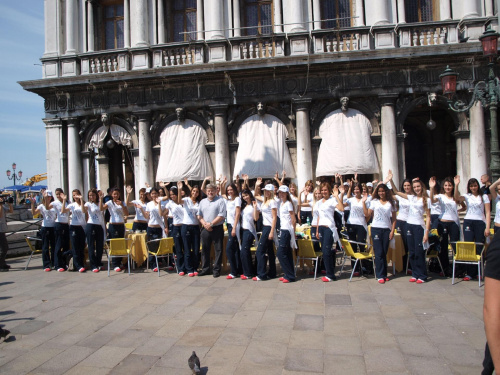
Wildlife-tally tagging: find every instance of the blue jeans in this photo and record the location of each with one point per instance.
(191, 241)
(474, 232)
(285, 255)
(415, 235)
(153, 233)
(304, 215)
(326, 239)
(95, 243)
(62, 244)
(247, 239)
(447, 229)
(264, 249)
(233, 253)
(179, 249)
(48, 246)
(434, 221)
(139, 226)
(380, 239)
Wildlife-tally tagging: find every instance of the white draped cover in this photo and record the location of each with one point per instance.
(118, 134)
(183, 153)
(262, 149)
(346, 145)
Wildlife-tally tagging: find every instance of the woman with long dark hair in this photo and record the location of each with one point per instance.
(140, 222)
(477, 218)
(233, 212)
(95, 230)
(61, 230)
(495, 198)
(190, 230)
(417, 230)
(48, 224)
(249, 215)
(306, 198)
(435, 208)
(357, 229)
(326, 231)
(287, 234)
(118, 211)
(77, 229)
(402, 216)
(383, 212)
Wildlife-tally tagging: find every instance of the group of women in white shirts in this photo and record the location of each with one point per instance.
(272, 208)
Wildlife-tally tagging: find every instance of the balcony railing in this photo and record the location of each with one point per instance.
(268, 47)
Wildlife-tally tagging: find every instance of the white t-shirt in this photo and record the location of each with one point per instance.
(475, 206)
(77, 214)
(164, 205)
(267, 212)
(115, 212)
(177, 212)
(346, 203)
(368, 201)
(49, 216)
(497, 209)
(449, 209)
(95, 213)
(314, 221)
(357, 215)
(435, 207)
(247, 220)
(231, 209)
(326, 210)
(404, 208)
(285, 218)
(154, 214)
(295, 203)
(416, 212)
(382, 214)
(61, 218)
(190, 209)
(139, 216)
(307, 198)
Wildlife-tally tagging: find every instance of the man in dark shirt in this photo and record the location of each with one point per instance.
(485, 189)
(491, 308)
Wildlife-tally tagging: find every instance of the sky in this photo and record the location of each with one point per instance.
(22, 131)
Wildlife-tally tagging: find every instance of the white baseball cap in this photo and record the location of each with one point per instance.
(148, 190)
(284, 189)
(269, 187)
(369, 184)
(346, 183)
(49, 193)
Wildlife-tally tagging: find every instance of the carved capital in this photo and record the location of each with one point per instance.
(302, 104)
(143, 116)
(52, 122)
(388, 99)
(219, 109)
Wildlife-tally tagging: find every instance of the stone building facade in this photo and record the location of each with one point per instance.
(125, 66)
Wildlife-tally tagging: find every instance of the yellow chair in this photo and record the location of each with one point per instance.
(362, 255)
(165, 250)
(31, 243)
(119, 248)
(465, 253)
(306, 251)
(128, 226)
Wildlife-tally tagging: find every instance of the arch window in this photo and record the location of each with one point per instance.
(336, 14)
(113, 22)
(258, 17)
(421, 10)
(183, 27)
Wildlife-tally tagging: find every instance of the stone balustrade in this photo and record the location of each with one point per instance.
(428, 34)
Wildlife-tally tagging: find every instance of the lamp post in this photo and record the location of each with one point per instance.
(487, 91)
(14, 176)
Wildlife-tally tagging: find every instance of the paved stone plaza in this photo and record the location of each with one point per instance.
(141, 324)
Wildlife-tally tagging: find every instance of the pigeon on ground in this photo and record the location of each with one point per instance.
(194, 363)
(5, 332)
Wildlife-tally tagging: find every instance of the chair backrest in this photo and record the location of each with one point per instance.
(347, 247)
(307, 232)
(118, 246)
(466, 251)
(31, 245)
(129, 226)
(306, 248)
(166, 246)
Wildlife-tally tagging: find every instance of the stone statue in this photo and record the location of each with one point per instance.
(181, 114)
(344, 103)
(105, 119)
(261, 109)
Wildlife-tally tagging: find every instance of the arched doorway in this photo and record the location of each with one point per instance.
(429, 152)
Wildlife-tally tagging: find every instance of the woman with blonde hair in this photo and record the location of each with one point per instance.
(306, 204)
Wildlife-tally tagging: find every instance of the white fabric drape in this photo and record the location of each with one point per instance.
(183, 153)
(120, 135)
(262, 149)
(346, 145)
(97, 139)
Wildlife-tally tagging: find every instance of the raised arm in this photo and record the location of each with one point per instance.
(102, 206)
(368, 213)
(258, 192)
(388, 178)
(459, 198)
(255, 210)
(493, 189)
(487, 212)
(179, 195)
(204, 183)
(187, 184)
(338, 196)
(432, 185)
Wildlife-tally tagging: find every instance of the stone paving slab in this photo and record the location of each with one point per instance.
(70, 323)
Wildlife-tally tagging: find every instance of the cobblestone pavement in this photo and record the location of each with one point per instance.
(144, 324)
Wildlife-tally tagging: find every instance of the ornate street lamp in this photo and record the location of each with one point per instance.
(15, 176)
(487, 91)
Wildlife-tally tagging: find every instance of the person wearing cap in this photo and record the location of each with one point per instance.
(326, 231)
(4, 245)
(48, 224)
(211, 214)
(269, 209)
(287, 235)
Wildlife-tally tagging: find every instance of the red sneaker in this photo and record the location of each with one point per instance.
(243, 277)
(326, 279)
(420, 281)
(155, 269)
(47, 269)
(386, 279)
(285, 281)
(381, 281)
(118, 269)
(191, 274)
(195, 273)
(282, 278)
(467, 278)
(229, 277)
(61, 269)
(255, 278)
(81, 270)
(412, 280)
(181, 273)
(95, 270)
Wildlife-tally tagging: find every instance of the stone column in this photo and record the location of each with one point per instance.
(477, 139)
(295, 13)
(52, 22)
(278, 17)
(317, 14)
(470, 9)
(222, 166)
(90, 26)
(237, 18)
(360, 13)
(126, 24)
(161, 22)
(445, 10)
(389, 138)
(103, 170)
(71, 25)
(55, 146)
(74, 160)
(377, 12)
(200, 24)
(214, 19)
(488, 8)
(88, 172)
(304, 154)
(139, 23)
(463, 157)
(401, 11)
(145, 150)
